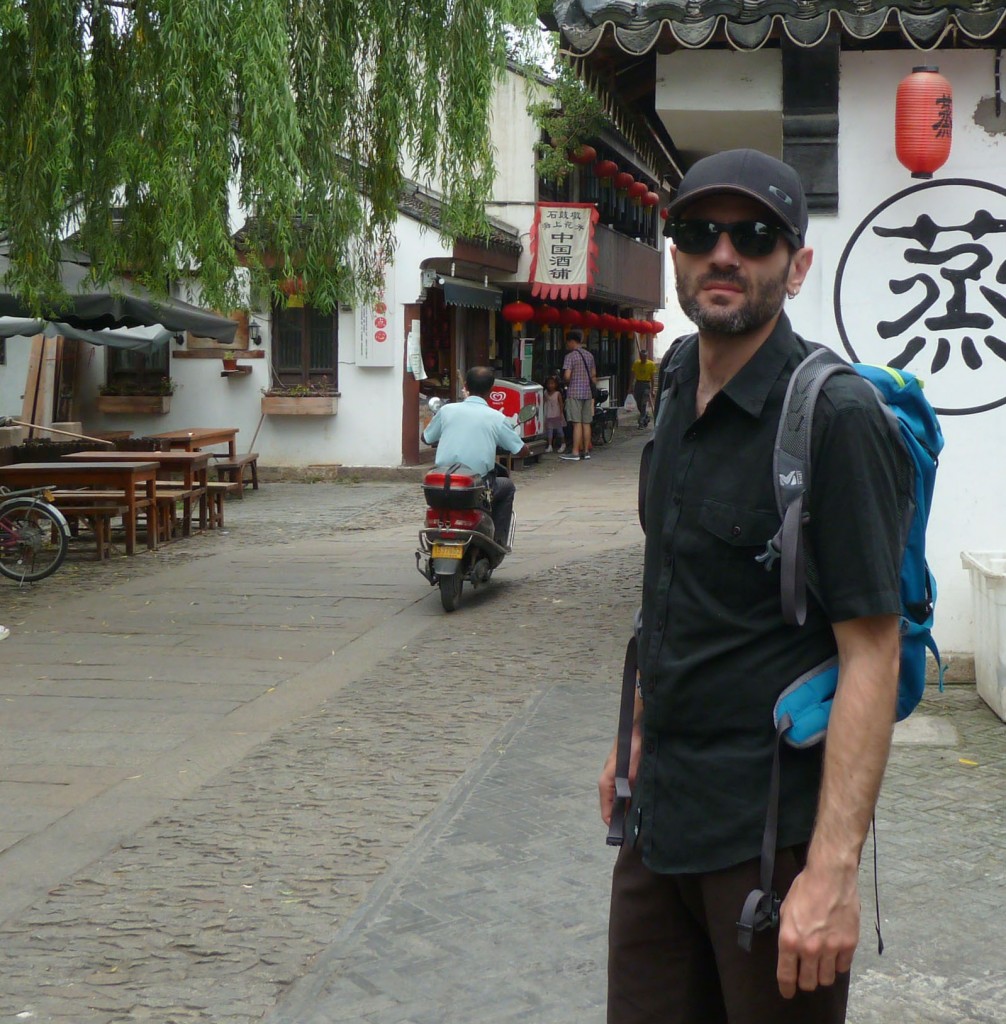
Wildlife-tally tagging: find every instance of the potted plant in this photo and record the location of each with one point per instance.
(139, 396)
(317, 398)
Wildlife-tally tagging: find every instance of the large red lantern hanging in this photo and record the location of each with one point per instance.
(546, 316)
(623, 180)
(637, 190)
(651, 199)
(923, 121)
(605, 169)
(570, 317)
(583, 155)
(591, 320)
(608, 322)
(517, 314)
(657, 326)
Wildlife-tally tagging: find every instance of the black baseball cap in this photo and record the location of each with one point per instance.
(745, 172)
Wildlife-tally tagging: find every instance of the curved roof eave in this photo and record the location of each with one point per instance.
(698, 22)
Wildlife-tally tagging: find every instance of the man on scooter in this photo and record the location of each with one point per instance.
(469, 432)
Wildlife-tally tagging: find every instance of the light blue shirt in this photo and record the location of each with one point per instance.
(470, 432)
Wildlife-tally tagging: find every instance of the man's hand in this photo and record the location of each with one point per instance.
(818, 929)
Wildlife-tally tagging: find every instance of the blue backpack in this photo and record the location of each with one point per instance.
(802, 710)
(807, 702)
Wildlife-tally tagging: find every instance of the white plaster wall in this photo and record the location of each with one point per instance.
(971, 485)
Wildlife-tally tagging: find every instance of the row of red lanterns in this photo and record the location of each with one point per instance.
(520, 313)
(607, 170)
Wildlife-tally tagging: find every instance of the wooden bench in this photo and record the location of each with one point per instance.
(69, 502)
(99, 519)
(215, 492)
(232, 471)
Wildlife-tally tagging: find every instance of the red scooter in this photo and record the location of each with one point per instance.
(458, 542)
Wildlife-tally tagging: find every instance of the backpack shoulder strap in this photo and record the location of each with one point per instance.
(671, 360)
(791, 467)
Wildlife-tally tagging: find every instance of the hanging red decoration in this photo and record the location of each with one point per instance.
(651, 199)
(291, 286)
(637, 190)
(657, 326)
(583, 155)
(570, 317)
(923, 121)
(623, 180)
(605, 169)
(608, 322)
(664, 213)
(546, 316)
(517, 314)
(591, 320)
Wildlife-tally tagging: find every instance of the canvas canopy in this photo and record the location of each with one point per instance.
(120, 304)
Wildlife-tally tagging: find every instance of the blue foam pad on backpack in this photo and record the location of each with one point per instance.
(807, 702)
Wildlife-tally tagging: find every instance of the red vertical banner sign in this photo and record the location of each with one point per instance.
(563, 250)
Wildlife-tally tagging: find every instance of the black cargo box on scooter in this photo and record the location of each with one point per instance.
(454, 486)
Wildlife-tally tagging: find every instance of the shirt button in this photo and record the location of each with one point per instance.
(735, 531)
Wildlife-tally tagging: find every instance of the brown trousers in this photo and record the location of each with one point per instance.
(673, 956)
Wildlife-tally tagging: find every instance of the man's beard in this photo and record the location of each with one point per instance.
(762, 303)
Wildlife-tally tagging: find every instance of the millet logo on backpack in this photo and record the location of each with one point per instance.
(794, 478)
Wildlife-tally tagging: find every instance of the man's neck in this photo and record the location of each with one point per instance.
(723, 356)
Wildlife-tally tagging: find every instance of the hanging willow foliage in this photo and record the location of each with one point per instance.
(150, 131)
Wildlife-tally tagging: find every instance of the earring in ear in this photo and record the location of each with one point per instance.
(793, 294)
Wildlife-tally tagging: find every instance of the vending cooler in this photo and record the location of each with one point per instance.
(510, 395)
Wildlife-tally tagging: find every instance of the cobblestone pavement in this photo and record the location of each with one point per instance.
(352, 807)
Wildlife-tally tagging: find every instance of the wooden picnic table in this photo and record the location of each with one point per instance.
(129, 478)
(196, 438)
(192, 467)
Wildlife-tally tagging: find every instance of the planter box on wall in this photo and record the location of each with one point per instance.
(308, 405)
(138, 405)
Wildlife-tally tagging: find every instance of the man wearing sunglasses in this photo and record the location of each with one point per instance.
(715, 651)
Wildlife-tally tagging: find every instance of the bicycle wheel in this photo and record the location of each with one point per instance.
(607, 429)
(32, 540)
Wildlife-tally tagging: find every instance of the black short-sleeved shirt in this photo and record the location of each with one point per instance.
(714, 650)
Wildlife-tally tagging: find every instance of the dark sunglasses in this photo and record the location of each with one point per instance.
(751, 238)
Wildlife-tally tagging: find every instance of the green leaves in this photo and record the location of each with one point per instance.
(150, 133)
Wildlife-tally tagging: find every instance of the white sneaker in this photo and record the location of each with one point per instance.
(4, 632)
(548, 449)
(561, 448)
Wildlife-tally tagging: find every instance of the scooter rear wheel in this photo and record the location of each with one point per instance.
(450, 590)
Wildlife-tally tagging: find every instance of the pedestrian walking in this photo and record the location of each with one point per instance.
(580, 373)
(715, 651)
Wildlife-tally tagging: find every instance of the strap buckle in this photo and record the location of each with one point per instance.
(761, 911)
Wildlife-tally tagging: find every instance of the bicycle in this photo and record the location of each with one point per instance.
(34, 535)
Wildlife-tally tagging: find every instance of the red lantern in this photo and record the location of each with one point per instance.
(623, 180)
(650, 199)
(923, 121)
(657, 326)
(605, 169)
(546, 316)
(570, 317)
(591, 320)
(583, 155)
(291, 286)
(517, 313)
(664, 213)
(608, 322)
(637, 190)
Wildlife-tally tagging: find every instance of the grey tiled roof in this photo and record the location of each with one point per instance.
(637, 27)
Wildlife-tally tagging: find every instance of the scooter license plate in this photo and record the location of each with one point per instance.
(448, 550)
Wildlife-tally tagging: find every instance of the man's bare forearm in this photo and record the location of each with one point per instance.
(858, 741)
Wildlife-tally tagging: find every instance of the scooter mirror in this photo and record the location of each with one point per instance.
(434, 405)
